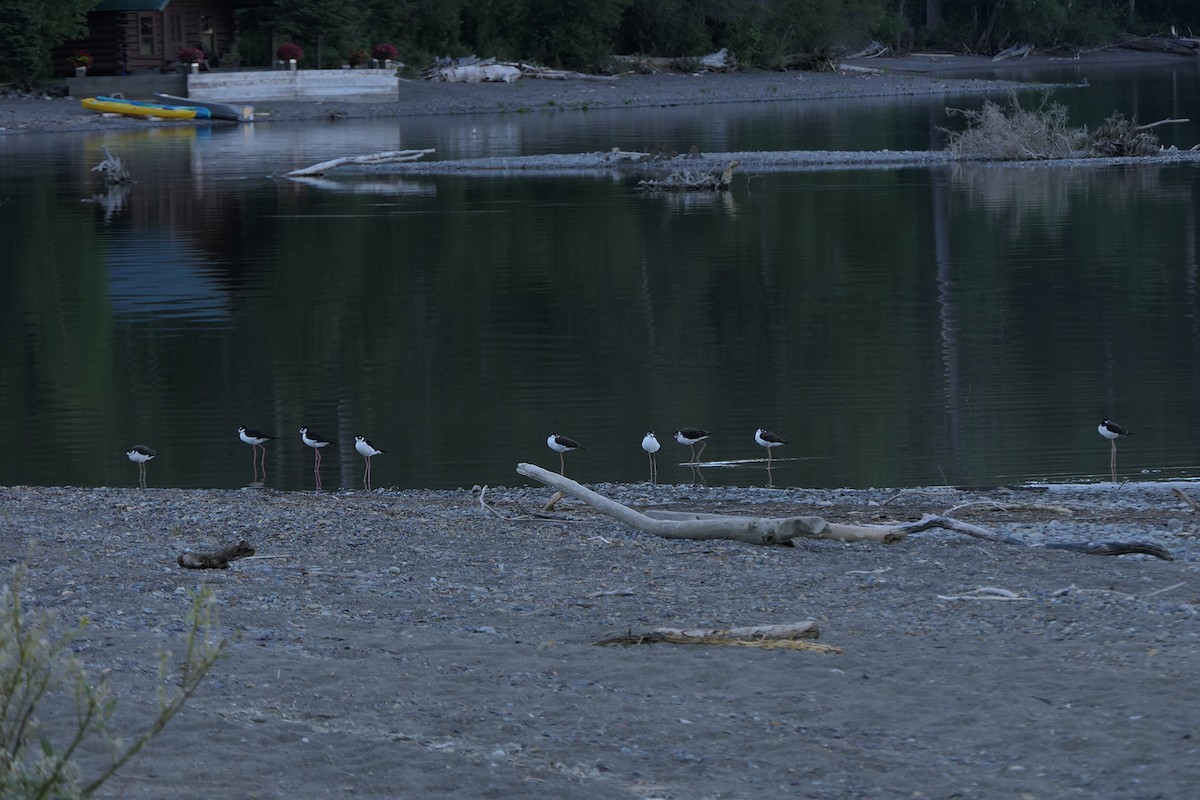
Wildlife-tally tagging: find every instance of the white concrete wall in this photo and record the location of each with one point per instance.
(361, 85)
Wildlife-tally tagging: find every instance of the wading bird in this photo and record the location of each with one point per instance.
(316, 441)
(367, 451)
(255, 440)
(650, 445)
(768, 440)
(690, 436)
(560, 445)
(1112, 431)
(140, 454)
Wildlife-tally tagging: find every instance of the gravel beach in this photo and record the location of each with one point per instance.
(424, 645)
(418, 644)
(424, 98)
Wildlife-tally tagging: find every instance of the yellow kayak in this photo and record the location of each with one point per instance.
(136, 108)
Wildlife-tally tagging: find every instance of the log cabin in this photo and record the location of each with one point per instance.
(126, 37)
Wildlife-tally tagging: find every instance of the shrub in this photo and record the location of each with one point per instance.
(80, 58)
(1018, 134)
(190, 55)
(289, 51)
(1118, 136)
(1014, 133)
(357, 56)
(36, 660)
(384, 52)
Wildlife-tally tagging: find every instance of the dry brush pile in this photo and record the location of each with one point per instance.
(1015, 133)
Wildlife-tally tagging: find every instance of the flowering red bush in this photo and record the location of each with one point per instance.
(289, 50)
(80, 58)
(384, 52)
(190, 55)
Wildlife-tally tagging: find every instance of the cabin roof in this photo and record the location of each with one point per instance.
(130, 5)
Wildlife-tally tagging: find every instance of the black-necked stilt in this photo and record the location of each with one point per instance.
(650, 445)
(255, 440)
(1112, 431)
(768, 440)
(316, 441)
(140, 454)
(367, 451)
(560, 445)
(690, 437)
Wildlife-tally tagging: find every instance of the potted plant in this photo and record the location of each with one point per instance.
(80, 60)
(384, 53)
(289, 53)
(357, 57)
(192, 56)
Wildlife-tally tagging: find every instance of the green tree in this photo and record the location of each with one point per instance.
(664, 28)
(30, 29)
(764, 33)
(578, 34)
(494, 27)
(326, 29)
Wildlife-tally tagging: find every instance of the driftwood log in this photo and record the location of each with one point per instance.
(1175, 45)
(113, 171)
(720, 61)
(217, 559)
(371, 159)
(782, 530)
(472, 69)
(1016, 51)
(686, 181)
(792, 636)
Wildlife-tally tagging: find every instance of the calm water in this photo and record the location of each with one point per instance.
(968, 325)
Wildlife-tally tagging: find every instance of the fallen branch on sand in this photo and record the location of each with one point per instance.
(549, 507)
(472, 69)
(1187, 498)
(372, 159)
(217, 559)
(720, 61)
(782, 530)
(1016, 51)
(675, 525)
(791, 636)
(984, 593)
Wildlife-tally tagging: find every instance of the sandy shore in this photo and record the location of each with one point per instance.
(418, 645)
(420, 98)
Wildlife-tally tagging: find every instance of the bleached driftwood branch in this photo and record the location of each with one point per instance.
(782, 530)
(872, 50)
(472, 69)
(1150, 125)
(112, 169)
(841, 66)
(387, 157)
(1016, 51)
(755, 530)
(720, 61)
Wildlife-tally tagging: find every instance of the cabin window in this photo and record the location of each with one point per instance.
(146, 36)
(208, 39)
